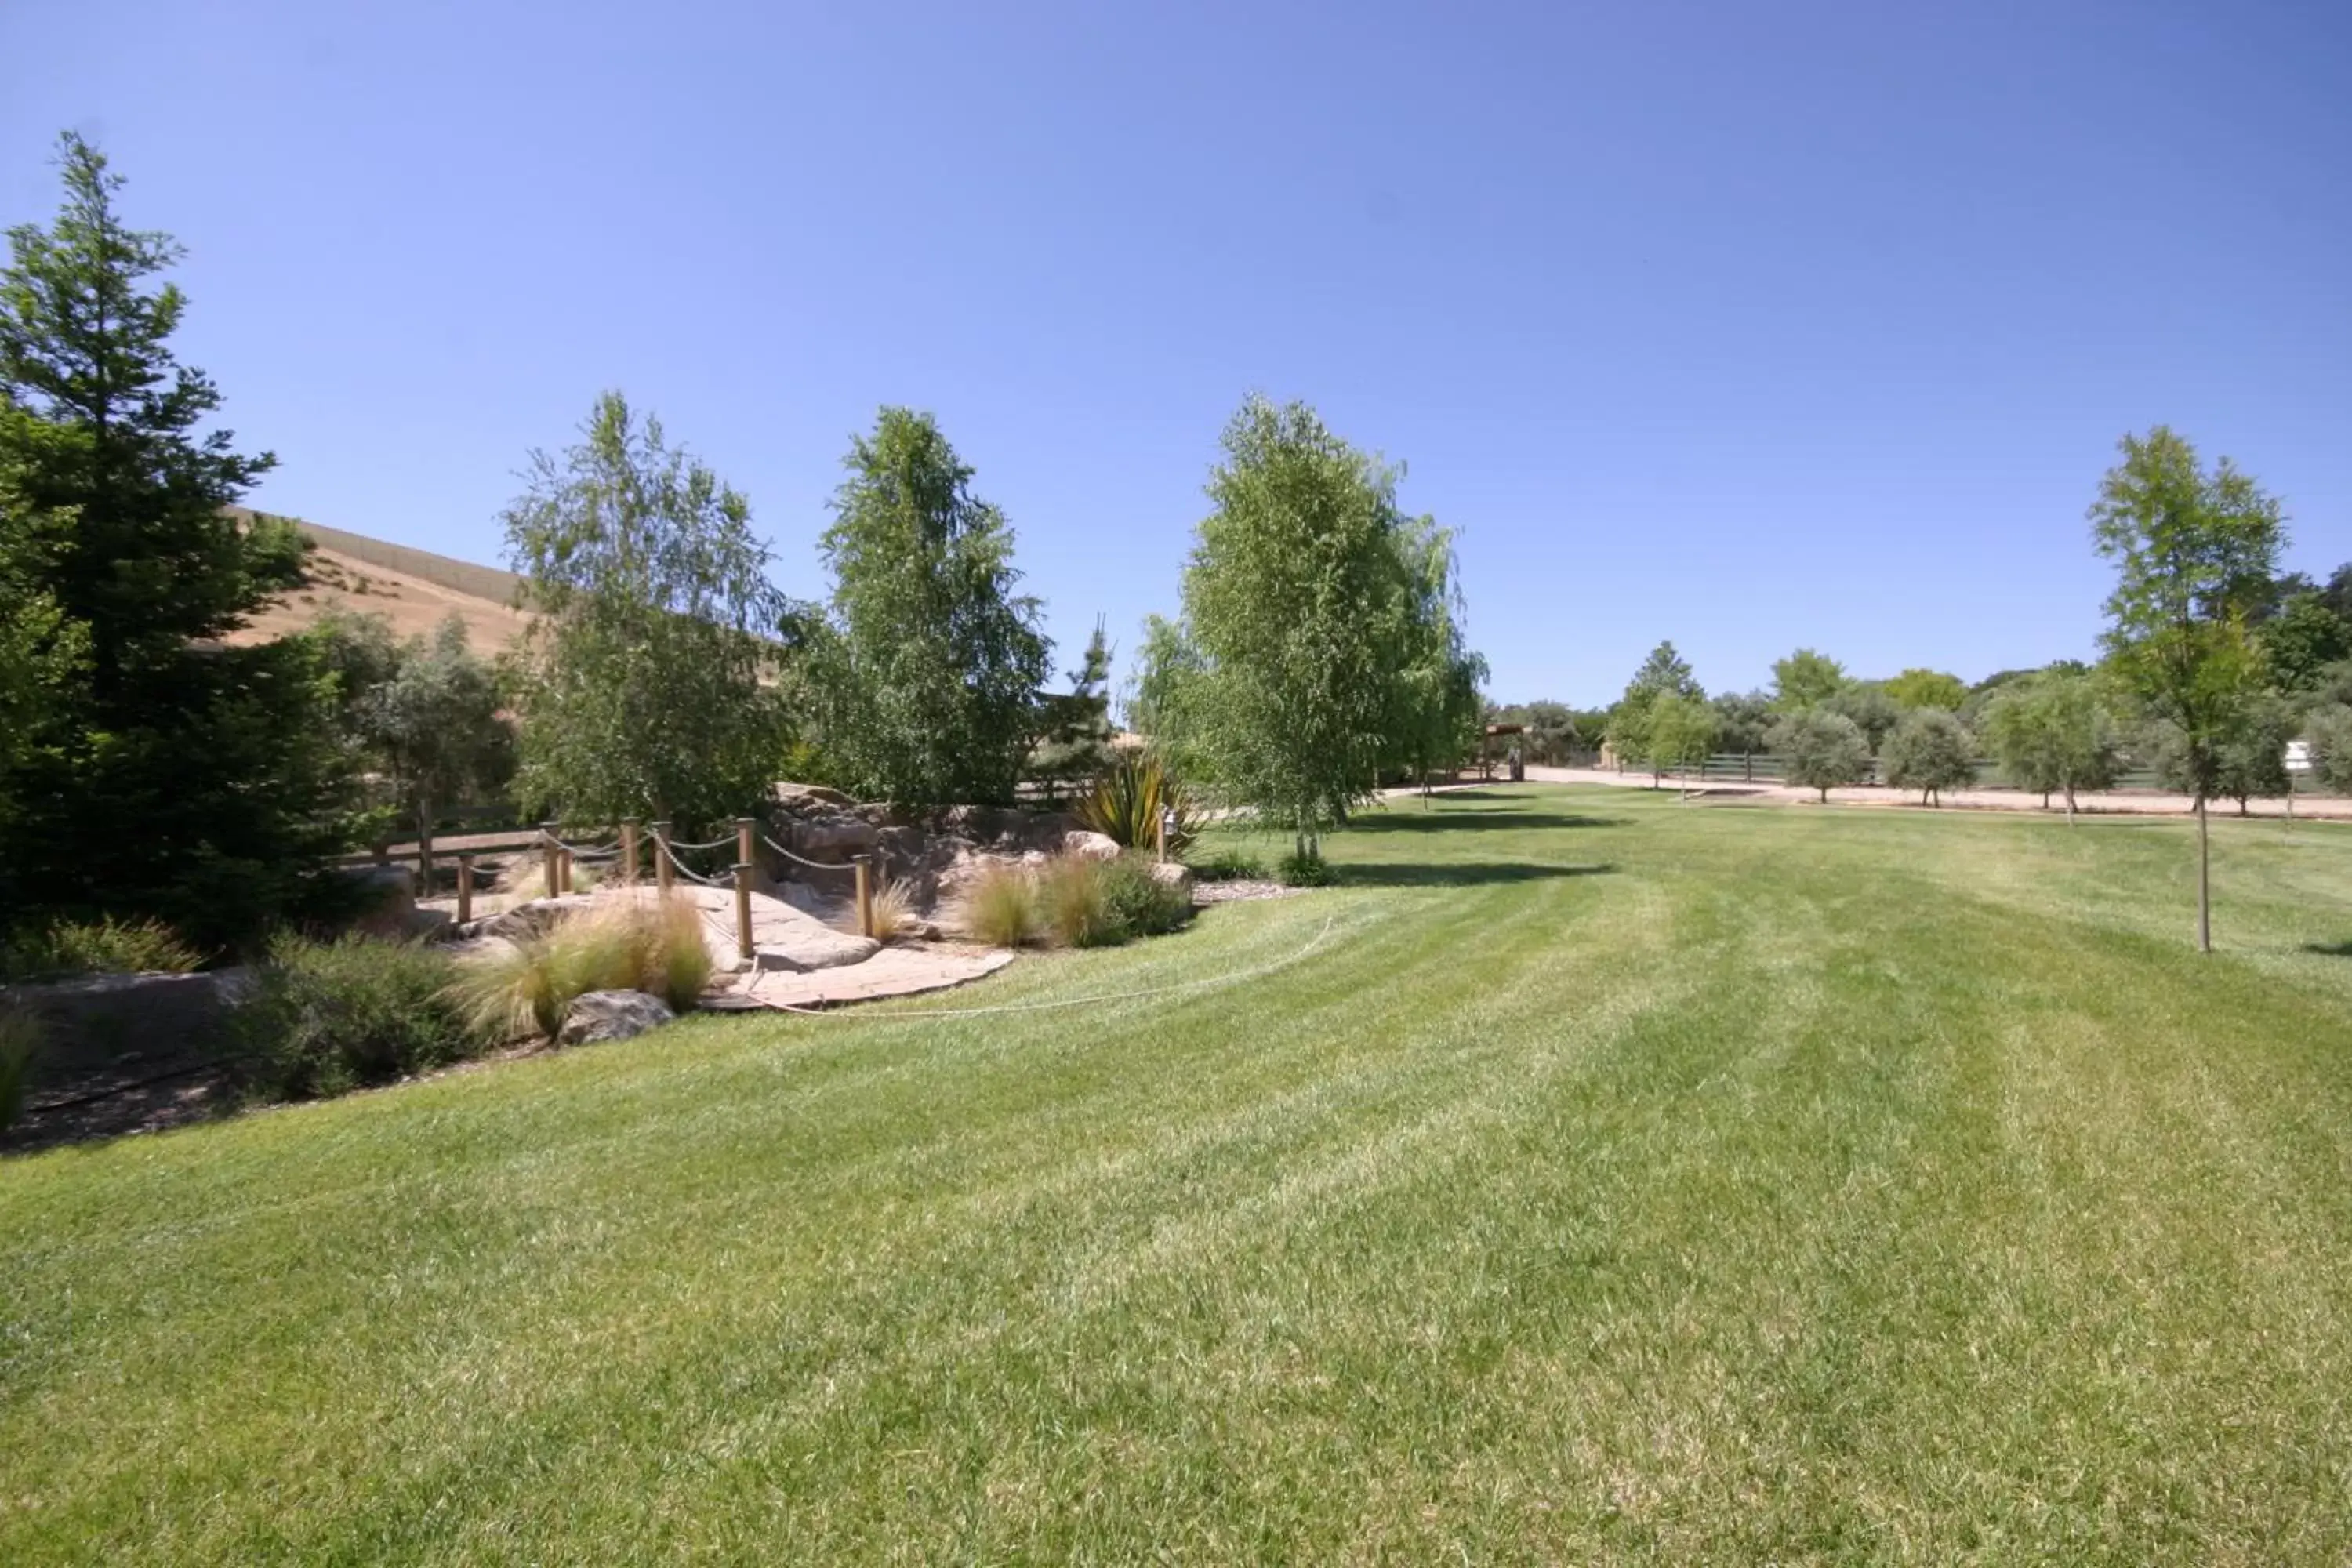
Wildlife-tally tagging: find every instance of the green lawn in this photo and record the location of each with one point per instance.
(1609, 1179)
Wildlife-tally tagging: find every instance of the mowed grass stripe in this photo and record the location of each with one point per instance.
(1801, 1186)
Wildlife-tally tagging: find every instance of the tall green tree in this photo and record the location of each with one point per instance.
(1662, 673)
(1439, 708)
(1742, 721)
(1805, 679)
(2301, 641)
(647, 683)
(1927, 689)
(1283, 681)
(2193, 549)
(931, 670)
(1868, 703)
(1074, 743)
(169, 774)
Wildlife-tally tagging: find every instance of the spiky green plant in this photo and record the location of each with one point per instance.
(1125, 804)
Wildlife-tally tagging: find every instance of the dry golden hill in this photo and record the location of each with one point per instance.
(413, 589)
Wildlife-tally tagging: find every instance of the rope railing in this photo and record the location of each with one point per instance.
(804, 860)
(670, 852)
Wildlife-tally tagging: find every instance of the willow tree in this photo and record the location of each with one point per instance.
(645, 682)
(1304, 614)
(2194, 549)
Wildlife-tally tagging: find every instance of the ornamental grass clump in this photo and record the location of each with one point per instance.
(103, 946)
(999, 908)
(654, 946)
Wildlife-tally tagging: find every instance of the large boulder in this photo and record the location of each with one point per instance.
(1089, 846)
(1173, 874)
(603, 1015)
(836, 836)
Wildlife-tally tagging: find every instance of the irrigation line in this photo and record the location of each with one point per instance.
(1213, 981)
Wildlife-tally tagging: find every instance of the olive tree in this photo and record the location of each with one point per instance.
(2193, 549)
(2330, 731)
(434, 728)
(2052, 732)
(1823, 750)
(645, 682)
(1931, 751)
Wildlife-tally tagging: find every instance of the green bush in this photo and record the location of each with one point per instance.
(1136, 903)
(327, 1017)
(1303, 868)
(107, 946)
(20, 1041)
(1229, 865)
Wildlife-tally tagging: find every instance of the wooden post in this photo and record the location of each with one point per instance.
(550, 859)
(465, 887)
(1160, 824)
(743, 910)
(662, 873)
(747, 832)
(629, 852)
(864, 864)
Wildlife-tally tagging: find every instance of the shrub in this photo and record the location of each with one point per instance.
(106, 946)
(1126, 801)
(999, 908)
(1229, 865)
(1303, 868)
(326, 1018)
(1137, 903)
(20, 1041)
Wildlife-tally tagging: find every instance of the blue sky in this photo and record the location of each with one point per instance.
(1745, 325)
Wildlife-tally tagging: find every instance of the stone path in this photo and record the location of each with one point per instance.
(907, 971)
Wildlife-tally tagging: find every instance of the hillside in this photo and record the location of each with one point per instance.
(413, 589)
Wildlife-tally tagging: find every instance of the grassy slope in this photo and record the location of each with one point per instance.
(1618, 1179)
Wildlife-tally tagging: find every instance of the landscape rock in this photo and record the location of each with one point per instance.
(386, 897)
(603, 1015)
(791, 795)
(1089, 845)
(1173, 874)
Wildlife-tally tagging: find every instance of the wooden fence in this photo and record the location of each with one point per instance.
(633, 847)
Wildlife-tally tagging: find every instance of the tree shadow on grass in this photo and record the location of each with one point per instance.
(1411, 819)
(2330, 949)
(1396, 874)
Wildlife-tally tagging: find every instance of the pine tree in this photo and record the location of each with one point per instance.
(173, 776)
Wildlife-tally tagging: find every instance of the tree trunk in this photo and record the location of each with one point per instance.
(2204, 883)
(1825, 794)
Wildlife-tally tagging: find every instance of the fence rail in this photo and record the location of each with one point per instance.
(1767, 767)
